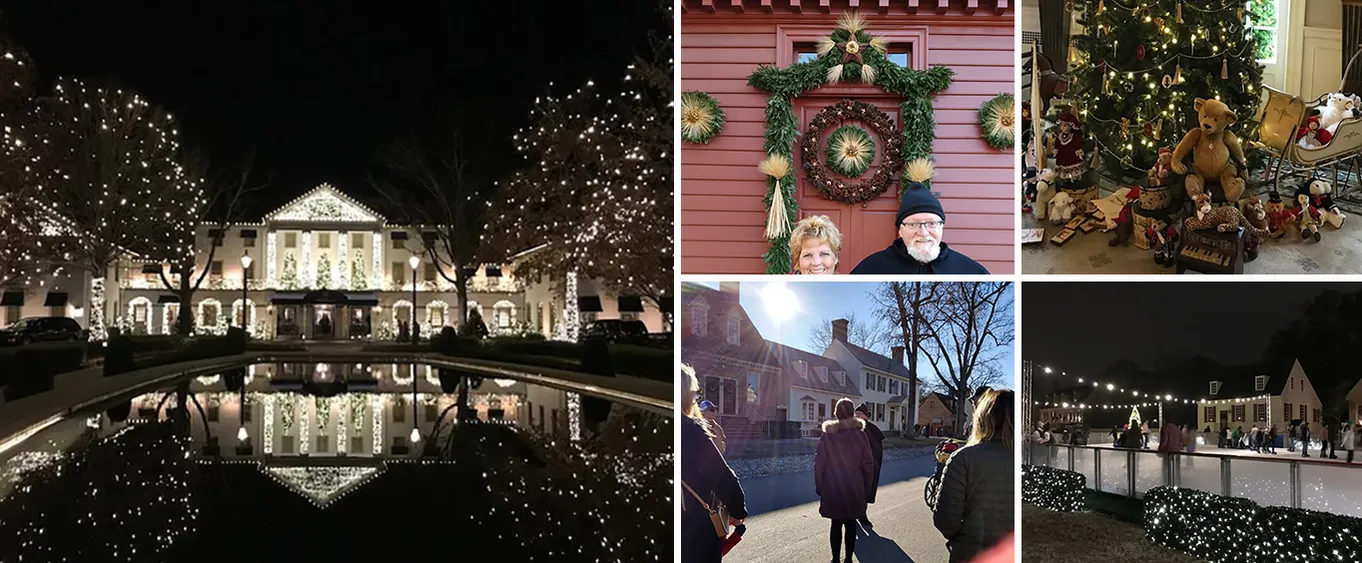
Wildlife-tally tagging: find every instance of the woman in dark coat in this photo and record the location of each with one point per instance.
(844, 476)
(876, 437)
(974, 507)
(704, 470)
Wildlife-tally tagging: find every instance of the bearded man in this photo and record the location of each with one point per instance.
(918, 248)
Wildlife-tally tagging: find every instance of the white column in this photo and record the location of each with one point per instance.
(268, 445)
(377, 274)
(343, 247)
(570, 312)
(305, 277)
(377, 413)
(271, 260)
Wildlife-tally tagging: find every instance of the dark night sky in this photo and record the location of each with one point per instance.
(318, 89)
(1228, 322)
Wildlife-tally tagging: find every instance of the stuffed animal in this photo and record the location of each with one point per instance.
(1307, 217)
(1045, 190)
(1278, 216)
(1066, 146)
(1214, 149)
(1311, 135)
(1255, 213)
(1336, 108)
(1322, 200)
(1223, 218)
(1158, 175)
(1061, 208)
(1163, 240)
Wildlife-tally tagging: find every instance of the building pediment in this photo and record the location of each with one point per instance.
(325, 204)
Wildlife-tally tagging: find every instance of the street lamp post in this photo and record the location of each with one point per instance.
(415, 425)
(414, 261)
(241, 434)
(245, 265)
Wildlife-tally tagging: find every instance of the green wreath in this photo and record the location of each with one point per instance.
(701, 117)
(836, 54)
(850, 151)
(998, 119)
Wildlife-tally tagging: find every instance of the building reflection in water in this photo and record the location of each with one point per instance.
(329, 410)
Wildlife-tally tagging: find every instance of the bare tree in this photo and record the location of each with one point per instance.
(972, 334)
(111, 173)
(863, 334)
(439, 179)
(909, 310)
(220, 191)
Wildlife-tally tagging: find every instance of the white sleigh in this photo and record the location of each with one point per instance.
(1278, 122)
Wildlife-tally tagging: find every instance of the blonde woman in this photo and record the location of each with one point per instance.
(815, 244)
(705, 475)
(974, 506)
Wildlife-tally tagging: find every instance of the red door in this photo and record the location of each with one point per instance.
(866, 227)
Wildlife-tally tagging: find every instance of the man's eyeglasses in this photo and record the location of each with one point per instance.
(915, 225)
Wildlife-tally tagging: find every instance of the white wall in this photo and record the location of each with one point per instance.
(73, 283)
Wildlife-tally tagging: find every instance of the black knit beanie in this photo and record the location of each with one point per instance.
(918, 199)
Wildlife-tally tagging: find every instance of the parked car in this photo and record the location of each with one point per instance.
(42, 329)
(616, 330)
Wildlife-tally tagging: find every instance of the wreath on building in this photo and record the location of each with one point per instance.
(848, 53)
(701, 118)
(998, 120)
(850, 152)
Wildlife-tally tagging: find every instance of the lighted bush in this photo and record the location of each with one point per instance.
(1237, 530)
(1055, 489)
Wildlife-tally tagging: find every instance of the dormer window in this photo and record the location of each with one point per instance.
(841, 377)
(1260, 383)
(734, 331)
(699, 320)
(822, 373)
(1215, 387)
(802, 368)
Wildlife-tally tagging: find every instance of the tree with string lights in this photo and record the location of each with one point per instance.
(111, 173)
(1141, 64)
(596, 190)
(25, 251)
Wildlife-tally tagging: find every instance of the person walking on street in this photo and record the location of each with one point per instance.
(1170, 437)
(973, 508)
(707, 480)
(711, 414)
(876, 450)
(843, 474)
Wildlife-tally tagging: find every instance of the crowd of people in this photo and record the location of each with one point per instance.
(971, 499)
(1259, 439)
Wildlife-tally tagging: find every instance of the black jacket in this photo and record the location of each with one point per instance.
(705, 471)
(895, 260)
(876, 451)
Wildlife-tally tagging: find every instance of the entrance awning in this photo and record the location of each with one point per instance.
(168, 299)
(589, 304)
(12, 299)
(630, 304)
(325, 296)
(55, 299)
(369, 299)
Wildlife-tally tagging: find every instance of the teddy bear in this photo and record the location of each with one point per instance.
(1045, 190)
(1214, 149)
(1061, 208)
(1320, 197)
(1311, 135)
(1278, 216)
(1336, 108)
(1255, 213)
(1124, 223)
(1158, 174)
(1307, 217)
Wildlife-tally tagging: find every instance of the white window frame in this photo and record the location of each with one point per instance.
(1260, 383)
(734, 334)
(1215, 387)
(699, 321)
(809, 410)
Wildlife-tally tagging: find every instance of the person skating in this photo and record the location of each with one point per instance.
(876, 449)
(1330, 441)
(1224, 436)
(1236, 439)
(974, 506)
(1253, 439)
(1170, 438)
(1291, 438)
(706, 478)
(1305, 440)
(1189, 438)
(1349, 439)
(1117, 433)
(1144, 435)
(1272, 440)
(843, 473)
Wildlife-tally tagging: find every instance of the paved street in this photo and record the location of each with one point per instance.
(784, 525)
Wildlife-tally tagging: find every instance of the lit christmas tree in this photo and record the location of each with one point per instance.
(111, 172)
(324, 271)
(1141, 63)
(597, 187)
(357, 280)
(289, 278)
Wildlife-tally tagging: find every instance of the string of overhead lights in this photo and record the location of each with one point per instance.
(1153, 399)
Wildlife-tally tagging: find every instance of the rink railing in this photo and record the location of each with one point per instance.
(1287, 480)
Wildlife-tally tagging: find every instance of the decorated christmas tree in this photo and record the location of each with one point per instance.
(324, 271)
(357, 279)
(289, 280)
(1140, 64)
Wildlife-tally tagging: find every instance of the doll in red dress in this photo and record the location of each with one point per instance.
(1067, 148)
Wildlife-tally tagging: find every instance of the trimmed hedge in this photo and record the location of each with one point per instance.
(121, 358)
(1055, 489)
(1231, 530)
(33, 369)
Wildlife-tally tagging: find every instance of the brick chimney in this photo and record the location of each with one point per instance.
(839, 329)
(730, 288)
(898, 355)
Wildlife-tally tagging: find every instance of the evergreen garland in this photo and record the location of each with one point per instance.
(919, 125)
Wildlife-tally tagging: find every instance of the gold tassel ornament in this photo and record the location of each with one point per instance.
(1225, 69)
(1179, 12)
(777, 221)
(1101, 7)
(1177, 75)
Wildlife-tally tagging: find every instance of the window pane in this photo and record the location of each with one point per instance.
(900, 59)
(1267, 43)
(805, 57)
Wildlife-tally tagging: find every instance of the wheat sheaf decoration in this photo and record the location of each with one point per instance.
(921, 170)
(701, 117)
(998, 120)
(777, 220)
(851, 40)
